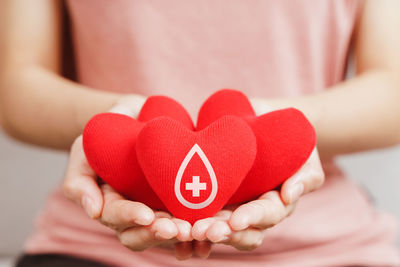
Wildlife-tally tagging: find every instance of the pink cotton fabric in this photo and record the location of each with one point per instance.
(188, 49)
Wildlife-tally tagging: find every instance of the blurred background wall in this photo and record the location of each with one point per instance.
(28, 173)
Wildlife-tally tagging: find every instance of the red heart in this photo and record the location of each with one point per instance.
(109, 142)
(285, 140)
(195, 173)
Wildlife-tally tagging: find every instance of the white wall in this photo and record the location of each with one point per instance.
(27, 173)
(379, 172)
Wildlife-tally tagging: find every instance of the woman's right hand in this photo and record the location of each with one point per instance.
(137, 226)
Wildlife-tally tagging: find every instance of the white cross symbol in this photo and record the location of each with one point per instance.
(196, 186)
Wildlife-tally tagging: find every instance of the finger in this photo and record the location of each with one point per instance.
(247, 240)
(262, 213)
(224, 214)
(140, 238)
(218, 231)
(183, 250)
(202, 249)
(164, 228)
(137, 238)
(184, 230)
(119, 213)
(308, 178)
(200, 227)
(80, 183)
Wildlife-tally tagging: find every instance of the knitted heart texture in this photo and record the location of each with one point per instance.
(231, 157)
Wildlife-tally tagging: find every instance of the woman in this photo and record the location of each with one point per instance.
(280, 53)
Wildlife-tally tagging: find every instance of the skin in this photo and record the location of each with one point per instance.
(40, 107)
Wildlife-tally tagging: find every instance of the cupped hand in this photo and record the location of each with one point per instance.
(137, 226)
(244, 227)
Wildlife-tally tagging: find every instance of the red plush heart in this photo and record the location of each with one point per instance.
(196, 173)
(109, 142)
(285, 140)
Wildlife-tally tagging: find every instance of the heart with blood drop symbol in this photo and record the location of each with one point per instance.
(195, 173)
(109, 141)
(285, 140)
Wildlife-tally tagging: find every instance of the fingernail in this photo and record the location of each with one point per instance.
(295, 192)
(145, 219)
(240, 223)
(88, 205)
(224, 231)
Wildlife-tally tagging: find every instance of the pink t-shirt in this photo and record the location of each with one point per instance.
(188, 50)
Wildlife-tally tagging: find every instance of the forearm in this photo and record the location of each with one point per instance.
(359, 114)
(40, 107)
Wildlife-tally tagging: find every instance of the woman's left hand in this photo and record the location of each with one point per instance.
(244, 227)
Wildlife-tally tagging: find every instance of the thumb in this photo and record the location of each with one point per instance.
(80, 183)
(308, 178)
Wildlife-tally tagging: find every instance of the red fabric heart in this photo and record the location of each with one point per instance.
(285, 140)
(195, 173)
(109, 142)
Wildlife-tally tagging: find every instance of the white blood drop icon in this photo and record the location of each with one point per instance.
(195, 185)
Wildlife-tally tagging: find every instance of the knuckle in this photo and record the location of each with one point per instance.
(69, 189)
(253, 240)
(317, 179)
(273, 220)
(110, 225)
(123, 239)
(67, 185)
(277, 212)
(247, 247)
(252, 247)
(272, 212)
(108, 219)
(291, 210)
(245, 242)
(256, 206)
(129, 243)
(122, 211)
(277, 218)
